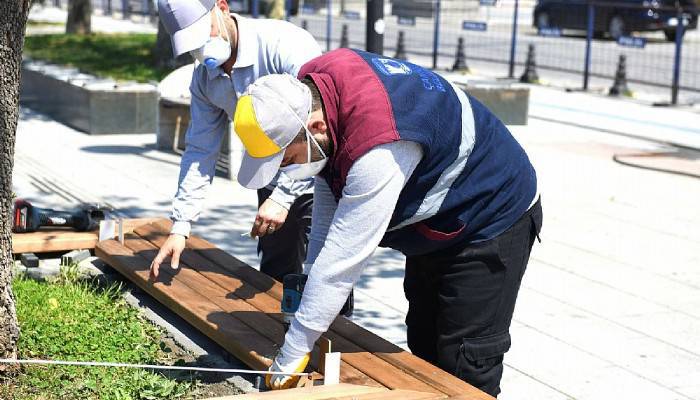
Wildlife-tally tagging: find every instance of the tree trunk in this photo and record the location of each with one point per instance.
(79, 13)
(163, 52)
(13, 17)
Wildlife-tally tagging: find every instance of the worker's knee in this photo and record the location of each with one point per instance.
(479, 361)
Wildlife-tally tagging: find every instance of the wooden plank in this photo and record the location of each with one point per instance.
(371, 366)
(54, 240)
(368, 341)
(408, 363)
(398, 394)
(249, 347)
(341, 327)
(267, 324)
(227, 301)
(311, 393)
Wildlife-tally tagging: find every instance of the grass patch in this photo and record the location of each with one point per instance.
(74, 320)
(34, 23)
(117, 56)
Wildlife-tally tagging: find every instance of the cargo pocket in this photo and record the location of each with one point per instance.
(480, 361)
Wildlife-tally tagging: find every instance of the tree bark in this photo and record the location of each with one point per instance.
(13, 18)
(79, 17)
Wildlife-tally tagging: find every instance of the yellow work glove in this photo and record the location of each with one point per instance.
(281, 364)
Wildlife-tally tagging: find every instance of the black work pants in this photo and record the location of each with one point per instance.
(461, 302)
(284, 251)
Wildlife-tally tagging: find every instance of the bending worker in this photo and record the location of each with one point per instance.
(402, 159)
(232, 52)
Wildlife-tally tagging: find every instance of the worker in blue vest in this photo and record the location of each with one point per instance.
(401, 159)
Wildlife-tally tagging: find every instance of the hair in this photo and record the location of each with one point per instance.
(316, 104)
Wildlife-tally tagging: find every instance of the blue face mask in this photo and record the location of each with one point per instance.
(216, 50)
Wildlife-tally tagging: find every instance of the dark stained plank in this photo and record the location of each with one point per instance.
(251, 348)
(267, 324)
(379, 370)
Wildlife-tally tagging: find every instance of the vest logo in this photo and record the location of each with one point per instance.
(388, 66)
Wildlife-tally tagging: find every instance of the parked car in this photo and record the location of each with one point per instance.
(616, 17)
(246, 6)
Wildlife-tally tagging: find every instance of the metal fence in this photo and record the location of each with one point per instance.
(496, 35)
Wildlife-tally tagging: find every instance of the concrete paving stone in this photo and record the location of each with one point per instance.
(661, 363)
(612, 114)
(589, 296)
(616, 383)
(663, 289)
(671, 327)
(552, 362)
(624, 243)
(692, 389)
(633, 350)
(578, 374)
(45, 271)
(516, 385)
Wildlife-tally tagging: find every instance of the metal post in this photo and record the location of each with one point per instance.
(287, 9)
(677, 59)
(513, 42)
(436, 34)
(254, 8)
(152, 14)
(374, 31)
(125, 9)
(329, 21)
(589, 40)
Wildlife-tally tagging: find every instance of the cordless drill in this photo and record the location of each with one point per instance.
(292, 289)
(28, 218)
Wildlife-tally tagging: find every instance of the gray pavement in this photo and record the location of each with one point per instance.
(609, 304)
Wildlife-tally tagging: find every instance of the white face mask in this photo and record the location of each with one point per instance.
(216, 50)
(309, 168)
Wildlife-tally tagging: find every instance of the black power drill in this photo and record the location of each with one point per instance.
(28, 218)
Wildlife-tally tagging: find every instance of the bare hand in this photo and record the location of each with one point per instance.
(270, 218)
(172, 247)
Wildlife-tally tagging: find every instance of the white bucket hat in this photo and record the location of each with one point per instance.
(266, 124)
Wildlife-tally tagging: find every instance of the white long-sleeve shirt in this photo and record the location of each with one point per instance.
(344, 235)
(264, 47)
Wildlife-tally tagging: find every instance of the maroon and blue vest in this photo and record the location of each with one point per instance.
(474, 180)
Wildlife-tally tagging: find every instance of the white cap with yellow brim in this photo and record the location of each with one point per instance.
(266, 124)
